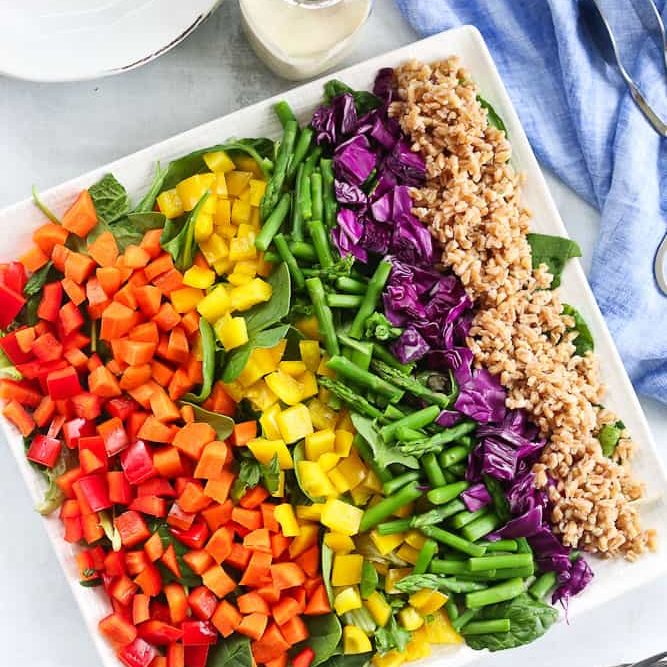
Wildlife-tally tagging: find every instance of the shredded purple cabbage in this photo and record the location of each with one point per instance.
(476, 497)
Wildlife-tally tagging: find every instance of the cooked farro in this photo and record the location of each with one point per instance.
(472, 204)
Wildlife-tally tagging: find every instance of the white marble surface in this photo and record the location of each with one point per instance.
(49, 133)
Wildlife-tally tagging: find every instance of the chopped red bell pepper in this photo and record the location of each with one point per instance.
(94, 491)
(49, 306)
(13, 275)
(120, 490)
(11, 348)
(194, 537)
(203, 603)
(156, 486)
(47, 347)
(303, 658)
(151, 505)
(196, 656)
(63, 383)
(38, 369)
(137, 654)
(44, 450)
(75, 429)
(132, 528)
(11, 303)
(95, 444)
(159, 632)
(137, 462)
(114, 435)
(198, 633)
(70, 318)
(87, 405)
(122, 407)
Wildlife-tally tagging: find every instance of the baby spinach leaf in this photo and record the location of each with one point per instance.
(369, 579)
(43, 207)
(252, 472)
(327, 566)
(180, 243)
(221, 424)
(584, 341)
(529, 618)
(355, 660)
(298, 454)
(383, 454)
(554, 251)
(324, 636)
(207, 337)
(130, 230)
(609, 436)
(110, 199)
(492, 116)
(53, 496)
(37, 280)
(231, 652)
(7, 368)
(237, 358)
(110, 531)
(148, 201)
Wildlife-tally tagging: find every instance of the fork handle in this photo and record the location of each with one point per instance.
(658, 125)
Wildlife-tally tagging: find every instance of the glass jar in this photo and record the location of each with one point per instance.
(299, 39)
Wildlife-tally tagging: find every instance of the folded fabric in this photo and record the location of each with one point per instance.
(584, 126)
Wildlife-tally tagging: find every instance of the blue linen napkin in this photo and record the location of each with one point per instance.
(584, 126)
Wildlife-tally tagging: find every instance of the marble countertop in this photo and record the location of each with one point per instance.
(51, 132)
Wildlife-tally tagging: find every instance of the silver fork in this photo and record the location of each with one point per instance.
(604, 40)
(653, 661)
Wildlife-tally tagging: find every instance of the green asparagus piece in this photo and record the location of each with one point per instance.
(480, 527)
(350, 397)
(311, 161)
(382, 354)
(437, 515)
(375, 286)
(284, 112)
(414, 420)
(464, 518)
(366, 454)
(416, 388)
(495, 625)
(300, 150)
(432, 470)
(426, 553)
(297, 216)
(499, 562)
(350, 285)
(305, 201)
(464, 619)
(435, 442)
(286, 255)
(453, 455)
(320, 239)
(386, 507)
(500, 545)
(393, 527)
(328, 194)
(507, 590)
(399, 482)
(324, 315)
(542, 585)
(273, 223)
(346, 369)
(316, 195)
(445, 494)
(453, 541)
(344, 300)
(275, 184)
(303, 251)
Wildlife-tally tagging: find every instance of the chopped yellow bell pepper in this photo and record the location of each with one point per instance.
(214, 249)
(328, 461)
(408, 554)
(251, 373)
(322, 415)
(355, 640)
(264, 450)
(319, 443)
(309, 327)
(309, 534)
(209, 206)
(247, 296)
(346, 570)
(221, 186)
(418, 647)
(215, 304)
(338, 481)
(343, 442)
(344, 422)
(231, 331)
(410, 618)
(240, 212)
(269, 422)
(285, 387)
(415, 539)
(347, 600)
(314, 480)
(293, 368)
(247, 267)
(427, 601)
(309, 512)
(372, 483)
(439, 630)
(241, 248)
(234, 389)
(257, 189)
(260, 396)
(237, 279)
(219, 162)
(337, 542)
(308, 384)
(405, 511)
(245, 162)
(203, 227)
(294, 423)
(185, 299)
(393, 576)
(222, 266)
(341, 517)
(386, 543)
(237, 182)
(353, 470)
(192, 189)
(245, 198)
(170, 204)
(378, 607)
(360, 495)
(284, 515)
(310, 354)
(392, 658)
(277, 352)
(198, 277)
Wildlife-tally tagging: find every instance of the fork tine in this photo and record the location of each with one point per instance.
(652, 661)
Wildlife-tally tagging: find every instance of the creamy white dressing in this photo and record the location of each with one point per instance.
(299, 39)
